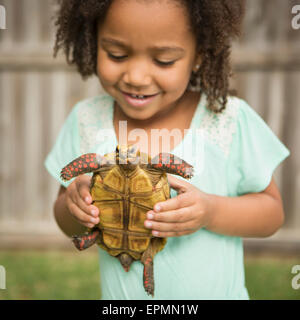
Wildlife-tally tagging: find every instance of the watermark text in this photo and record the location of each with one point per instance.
(296, 278)
(2, 17)
(2, 277)
(191, 151)
(296, 19)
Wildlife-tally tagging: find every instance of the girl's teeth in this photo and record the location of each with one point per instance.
(138, 97)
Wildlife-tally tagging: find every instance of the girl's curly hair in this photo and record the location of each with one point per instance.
(215, 23)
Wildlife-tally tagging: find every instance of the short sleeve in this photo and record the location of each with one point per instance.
(255, 153)
(65, 149)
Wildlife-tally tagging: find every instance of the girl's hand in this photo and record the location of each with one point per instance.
(78, 200)
(184, 214)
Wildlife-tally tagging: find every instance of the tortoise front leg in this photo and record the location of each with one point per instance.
(88, 162)
(171, 164)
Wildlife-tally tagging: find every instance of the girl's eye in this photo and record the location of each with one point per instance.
(119, 58)
(116, 57)
(165, 63)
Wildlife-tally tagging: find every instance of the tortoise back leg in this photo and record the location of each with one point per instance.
(86, 240)
(147, 260)
(148, 276)
(171, 164)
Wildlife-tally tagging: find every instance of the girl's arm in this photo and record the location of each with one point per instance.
(250, 215)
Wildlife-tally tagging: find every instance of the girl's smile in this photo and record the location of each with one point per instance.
(138, 100)
(146, 53)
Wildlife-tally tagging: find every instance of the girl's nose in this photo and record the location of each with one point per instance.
(137, 74)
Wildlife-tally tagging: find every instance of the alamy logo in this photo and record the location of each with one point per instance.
(2, 17)
(296, 278)
(296, 19)
(2, 278)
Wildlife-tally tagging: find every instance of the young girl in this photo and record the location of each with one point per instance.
(148, 56)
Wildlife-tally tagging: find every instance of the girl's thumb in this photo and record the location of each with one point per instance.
(177, 184)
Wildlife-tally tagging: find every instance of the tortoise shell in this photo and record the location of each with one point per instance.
(123, 200)
(125, 185)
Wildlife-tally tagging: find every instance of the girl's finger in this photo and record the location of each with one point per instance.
(180, 201)
(81, 216)
(170, 234)
(88, 209)
(178, 184)
(179, 215)
(84, 193)
(77, 197)
(170, 227)
(71, 192)
(83, 188)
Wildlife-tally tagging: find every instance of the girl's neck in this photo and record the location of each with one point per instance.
(179, 118)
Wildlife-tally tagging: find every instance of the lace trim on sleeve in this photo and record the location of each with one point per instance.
(220, 128)
(94, 115)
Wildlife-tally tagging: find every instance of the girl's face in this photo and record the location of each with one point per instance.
(146, 48)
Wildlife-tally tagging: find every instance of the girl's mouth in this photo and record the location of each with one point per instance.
(138, 100)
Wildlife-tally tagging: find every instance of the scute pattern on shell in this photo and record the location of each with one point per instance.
(124, 193)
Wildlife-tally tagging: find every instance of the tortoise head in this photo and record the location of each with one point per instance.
(127, 154)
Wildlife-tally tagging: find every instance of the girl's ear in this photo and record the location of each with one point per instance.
(197, 63)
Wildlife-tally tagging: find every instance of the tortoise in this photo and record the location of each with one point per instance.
(125, 185)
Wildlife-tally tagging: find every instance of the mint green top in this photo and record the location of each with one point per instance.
(234, 153)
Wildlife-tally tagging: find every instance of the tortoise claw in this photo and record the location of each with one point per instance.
(188, 172)
(65, 175)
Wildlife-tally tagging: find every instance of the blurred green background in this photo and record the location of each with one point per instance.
(75, 275)
(36, 94)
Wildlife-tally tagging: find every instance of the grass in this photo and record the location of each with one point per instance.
(50, 275)
(271, 278)
(71, 275)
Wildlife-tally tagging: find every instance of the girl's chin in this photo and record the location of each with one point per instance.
(142, 116)
(136, 113)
